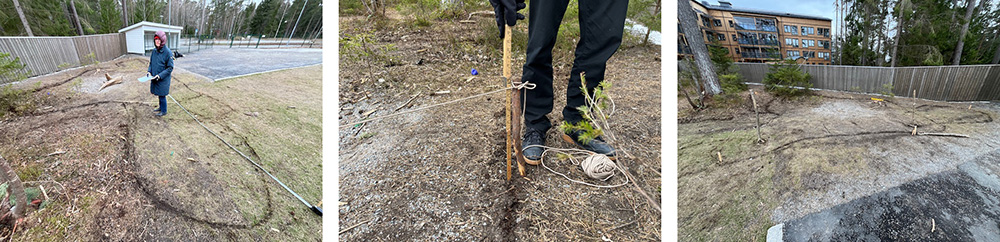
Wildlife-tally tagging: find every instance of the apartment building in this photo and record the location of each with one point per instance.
(752, 35)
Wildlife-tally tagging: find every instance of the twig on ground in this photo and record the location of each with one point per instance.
(406, 103)
(623, 225)
(356, 225)
(945, 134)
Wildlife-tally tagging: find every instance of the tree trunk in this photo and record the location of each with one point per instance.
(694, 36)
(124, 15)
(76, 18)
(970, 8)
(15, 187)
(24, 21)
(201, 25)
(899, 32)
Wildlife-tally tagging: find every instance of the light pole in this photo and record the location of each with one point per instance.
(297, 22)
(281, 19)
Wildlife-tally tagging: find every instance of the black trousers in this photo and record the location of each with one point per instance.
(602, 23)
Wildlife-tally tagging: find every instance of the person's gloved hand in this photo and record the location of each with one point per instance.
(157, 77)
(506, 12)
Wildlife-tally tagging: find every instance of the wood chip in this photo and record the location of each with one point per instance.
(440, 93)
(191, 159)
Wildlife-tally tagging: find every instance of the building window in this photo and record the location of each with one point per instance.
(793, 53)
(825, 44)
(806, 43)
(722, 37)
(706, 21)
(792, 42)
(734, 37)
(825, 32)
(745, 23)
(791, 29)
(824, 55)
(808, 30)
(731, 24)
(717, 22)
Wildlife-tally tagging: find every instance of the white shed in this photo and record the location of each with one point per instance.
(139, 36)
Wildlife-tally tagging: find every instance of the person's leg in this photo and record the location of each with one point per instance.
(543, 26)
(601, 27)
(602, 24)
(163, 104)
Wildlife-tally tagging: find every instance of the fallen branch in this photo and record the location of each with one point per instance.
(945, 134)
(110, 82)
(490, 13)
(356, 225)
(406, 103)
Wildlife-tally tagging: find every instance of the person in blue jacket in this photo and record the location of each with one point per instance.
(162, 64)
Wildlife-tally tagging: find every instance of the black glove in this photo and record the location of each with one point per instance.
(506, 12)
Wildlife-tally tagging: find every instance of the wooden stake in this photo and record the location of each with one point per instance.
(754, 100)
(506, 78)
(516, 124)
(720, 156)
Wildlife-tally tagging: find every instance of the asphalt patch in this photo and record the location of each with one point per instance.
(954, 205)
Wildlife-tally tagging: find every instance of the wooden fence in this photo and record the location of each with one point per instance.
(943, 83)
(43, 55)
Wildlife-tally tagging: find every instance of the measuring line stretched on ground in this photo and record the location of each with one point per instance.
(312, 207)
(525, 85)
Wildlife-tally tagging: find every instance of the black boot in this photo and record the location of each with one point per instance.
(532, 154)
(596, 145)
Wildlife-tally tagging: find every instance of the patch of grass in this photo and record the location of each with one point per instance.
(30, 172)
(421, 22)
(699, 152)
(362, 47)
(820, 159)
(722, 202)
(14, 101)
(368, 135)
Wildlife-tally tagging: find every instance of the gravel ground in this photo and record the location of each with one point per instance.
(221, 62)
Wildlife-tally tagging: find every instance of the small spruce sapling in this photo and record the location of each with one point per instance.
(594, 116)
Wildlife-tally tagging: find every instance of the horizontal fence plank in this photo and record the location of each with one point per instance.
(942, 83)
(43, 55)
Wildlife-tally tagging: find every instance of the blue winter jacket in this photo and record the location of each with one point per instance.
(161, 63)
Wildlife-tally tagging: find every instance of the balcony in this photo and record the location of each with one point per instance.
(746, 41)
(683, 49)
(761, 55)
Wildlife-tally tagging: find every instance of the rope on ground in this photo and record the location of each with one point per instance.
(315, 209)
(596, 166)
(526, 85)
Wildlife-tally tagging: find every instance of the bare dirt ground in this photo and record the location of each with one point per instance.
(127, 175)
(821, 151)
(439, 174)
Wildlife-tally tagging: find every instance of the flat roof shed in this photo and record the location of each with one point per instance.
(139, 36)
